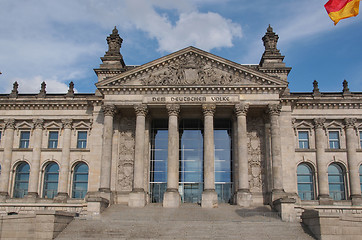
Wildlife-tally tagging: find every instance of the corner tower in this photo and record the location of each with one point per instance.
(271, 62)
(112, 61)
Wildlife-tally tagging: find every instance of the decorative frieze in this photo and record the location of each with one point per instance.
(141, 109)
(350, 122)
(126, 154)
(67, 123)
(38, 123)
(109, 110)
(208, 109)
(274, 109)
(241, 109)
(173, 109)
(319, 122)
(9, 123)
(256, 146)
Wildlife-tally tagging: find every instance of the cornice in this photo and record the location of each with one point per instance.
(217, 62)
(54, 104)
(250, 89)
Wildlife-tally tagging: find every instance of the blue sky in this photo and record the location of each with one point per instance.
(62, 41)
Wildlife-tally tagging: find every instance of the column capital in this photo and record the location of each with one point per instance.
(109, 110)
(173, 109)
(350, 122)
(241, 109)
(38, 123)
(9, 123)
(274, 109)
(319, 122)
(67, 123)
(141, 109)
(208, 109)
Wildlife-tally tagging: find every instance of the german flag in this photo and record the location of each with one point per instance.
(340, 9)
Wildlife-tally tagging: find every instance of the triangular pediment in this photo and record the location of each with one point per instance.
(192, 67)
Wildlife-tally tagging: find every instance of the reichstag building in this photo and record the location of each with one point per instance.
(189, 127)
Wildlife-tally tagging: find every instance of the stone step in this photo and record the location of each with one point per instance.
(186, 222)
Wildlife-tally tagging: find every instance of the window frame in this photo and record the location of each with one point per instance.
(312, 183)
(24, 141)
(74, 182)
(45, 191)
(343, 175)
(360, 138)
(334, 141)
(307, 141)
(80, 142)
(17, 181)
(56, 141)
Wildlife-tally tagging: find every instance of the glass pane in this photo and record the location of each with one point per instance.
(21, 180)
(336, 182)
(305, 182)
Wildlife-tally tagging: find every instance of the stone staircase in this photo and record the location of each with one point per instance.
(187, 222)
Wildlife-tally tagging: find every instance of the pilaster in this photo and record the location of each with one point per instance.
(243, 195)
(352, 159)
(62, 195)
(137, 198)
(105, 184)
(209, 195)
(323, 187)
(172, 196)
(277, 170)
(35, 161)
(7, 157)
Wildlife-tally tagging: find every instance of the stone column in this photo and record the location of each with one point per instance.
(35, 160)
(105, 184)
(209, 195)
(7, 157)
(352, 158)
(243, 195)
(277, 170)
(64, 164)
(137, 198)
(172, 196)
(323, 186)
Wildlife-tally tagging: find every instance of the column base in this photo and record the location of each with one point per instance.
(107, 194)
(243, 198)
(171, 199)
(209, 199)
(356, 200)
(137, 198)
(325, 200)
(61, 197)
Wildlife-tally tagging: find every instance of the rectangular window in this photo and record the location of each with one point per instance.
(303, 139)
(82, 139)
(53, 139)
(24, 139)
(0, 136)
(360, 139)
(333, 139)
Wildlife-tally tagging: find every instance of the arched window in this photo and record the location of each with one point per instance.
(360, 176)
(80, 180)
(51, 176)
(21, 180)
(305, 182)
(336, 178)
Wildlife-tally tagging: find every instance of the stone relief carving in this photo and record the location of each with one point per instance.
(256, 154)
(193, 70)
(126, 154)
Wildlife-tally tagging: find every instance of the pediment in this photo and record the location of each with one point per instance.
(192, 67)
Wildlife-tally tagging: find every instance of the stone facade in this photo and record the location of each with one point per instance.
(107, 136)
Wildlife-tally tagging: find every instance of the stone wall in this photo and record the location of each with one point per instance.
(334, 223)
(41, 225)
